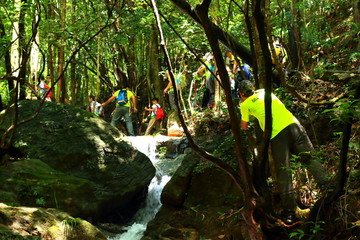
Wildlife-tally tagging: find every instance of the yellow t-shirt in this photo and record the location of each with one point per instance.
(129, 95)
(255, 106)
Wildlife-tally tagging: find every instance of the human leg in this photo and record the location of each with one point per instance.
(117, 115)
(206, 98)
(303, 147)
(281, 153)
(128, 120)
(172, 100)
(212, 100)
(150, 126)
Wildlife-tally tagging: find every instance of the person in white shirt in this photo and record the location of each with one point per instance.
(155, 106)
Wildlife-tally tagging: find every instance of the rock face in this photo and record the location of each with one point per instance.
(199, 202)
(83, 159)
(37, 223)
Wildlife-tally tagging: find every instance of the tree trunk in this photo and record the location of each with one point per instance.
(246, 183)
(61, 93)
(50, 67)
(22, 49)
(260, 163)
(85, 91)
(61, 57)
(131, 63)
(356, 13)
(50, 58)
(7, 56)
(294, 22)
(73, 82)
(252, 37)
(154, 81)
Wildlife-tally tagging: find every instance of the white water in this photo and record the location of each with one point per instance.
(146, 145)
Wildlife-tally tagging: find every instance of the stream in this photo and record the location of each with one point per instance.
(152, 204)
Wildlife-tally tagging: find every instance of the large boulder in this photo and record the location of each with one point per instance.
(79, 144)
(38, 223)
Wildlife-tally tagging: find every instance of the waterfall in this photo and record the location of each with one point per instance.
(147, 145)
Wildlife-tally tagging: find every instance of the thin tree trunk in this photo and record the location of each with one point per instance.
(50, 66)
(246, 182)
(22, 50)
(355, 6)
(73, 93)
(131, 63)
(73, 82)
(295, 36)
(154, 84)
(260, 163)
(7, 56)
(51, 56)
(85, 91)
(61, 57)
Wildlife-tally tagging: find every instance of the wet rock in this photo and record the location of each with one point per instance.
(38, 223)
(81, 145)
(174, 192)
(199, 201)
(174, 147)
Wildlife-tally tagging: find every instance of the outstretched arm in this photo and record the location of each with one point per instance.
(149, 109)
(108, 101)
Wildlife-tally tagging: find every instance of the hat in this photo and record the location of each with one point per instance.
(246, 86)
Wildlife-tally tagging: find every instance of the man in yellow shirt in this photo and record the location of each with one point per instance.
(287, 137)
(125, 99)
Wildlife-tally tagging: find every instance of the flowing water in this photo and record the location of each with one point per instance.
(147, 145)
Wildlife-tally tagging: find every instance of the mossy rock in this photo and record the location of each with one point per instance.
(174, 192)
(38, 223)
(32, 182)
(79, 144)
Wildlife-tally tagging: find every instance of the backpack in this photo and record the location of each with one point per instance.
(160, 114)
(279, 51)
(122, 97)
(49, 94)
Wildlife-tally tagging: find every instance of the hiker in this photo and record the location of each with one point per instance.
(279, 51)
(287, 137)
(209, 93)
(153, 122)
(95, 107)
(170, 90)
(44, 89)
(231, 67)
(125, 101)
(230, 61)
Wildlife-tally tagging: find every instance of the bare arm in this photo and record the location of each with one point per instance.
(133, 103)
(167, 87)
(235, 67)
(149, 109)
(108, 101)
(201, 71)
(244, 125)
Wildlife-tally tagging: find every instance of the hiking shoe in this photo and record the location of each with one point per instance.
(288, 216)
